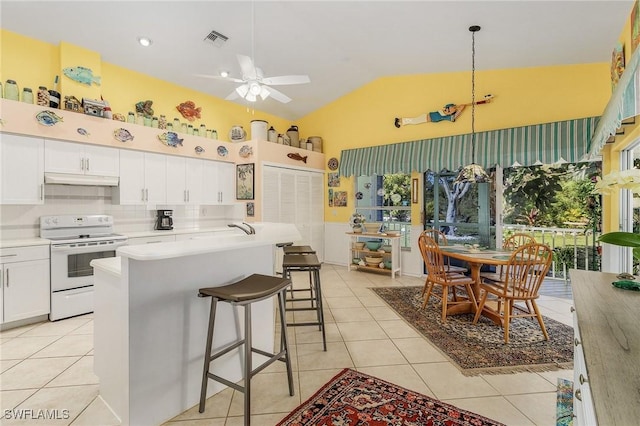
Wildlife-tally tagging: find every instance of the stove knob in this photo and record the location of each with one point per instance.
(47, 221)
(99, 218)
(106, 218)
(55, 220)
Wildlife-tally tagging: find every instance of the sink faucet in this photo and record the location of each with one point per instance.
(246, 231)
(251, 228)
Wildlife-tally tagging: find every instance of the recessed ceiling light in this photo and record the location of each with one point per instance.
(224, 74)
(145, 41)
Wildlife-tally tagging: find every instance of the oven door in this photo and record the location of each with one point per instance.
(70, 266)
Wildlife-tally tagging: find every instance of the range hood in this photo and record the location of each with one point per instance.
(87, 180)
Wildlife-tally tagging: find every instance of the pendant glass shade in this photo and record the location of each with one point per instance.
(473, 173)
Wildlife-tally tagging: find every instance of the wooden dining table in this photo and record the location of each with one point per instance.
(475, 258)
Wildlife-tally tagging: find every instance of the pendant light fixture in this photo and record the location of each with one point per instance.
(473, 173)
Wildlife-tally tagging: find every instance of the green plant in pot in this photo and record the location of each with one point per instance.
(627, 179)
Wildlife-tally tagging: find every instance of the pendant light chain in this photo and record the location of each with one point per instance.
(473, 30)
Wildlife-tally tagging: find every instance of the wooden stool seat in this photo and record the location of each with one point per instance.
(251, 289)
(298, 250)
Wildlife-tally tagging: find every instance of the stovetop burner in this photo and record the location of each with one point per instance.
(70, 229)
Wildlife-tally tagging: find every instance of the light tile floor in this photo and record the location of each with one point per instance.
(49, 365)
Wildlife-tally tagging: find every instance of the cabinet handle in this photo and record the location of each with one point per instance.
(82, 164)
(578, 394)
(582, 379)
(184, 195)
(572, 309)
(146, 194)
(42, 191)
(8, 255)
(576, 341)
(87, 164)
(142, 194)
(7, 280)
(188, 195)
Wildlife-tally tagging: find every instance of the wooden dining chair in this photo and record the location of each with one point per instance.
(441, 238)
(438, 274)
(511, 243)
(522, 278)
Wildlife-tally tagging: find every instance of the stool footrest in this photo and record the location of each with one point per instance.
(302, 324)
(226, 349)
(300, 309)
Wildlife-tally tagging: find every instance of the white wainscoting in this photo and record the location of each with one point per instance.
(336, 248)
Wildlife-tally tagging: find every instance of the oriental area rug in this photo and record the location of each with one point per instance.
(480, 349)
(354, 398)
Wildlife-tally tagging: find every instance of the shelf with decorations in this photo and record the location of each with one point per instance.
(368, 252)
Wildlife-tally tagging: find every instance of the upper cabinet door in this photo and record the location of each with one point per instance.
(81, 159)
(176, 174)
(63, 157)
(210, 191)
(194, 179)
(226, 178)
(101, 161)
(131, 187)
(21, 170)
(155, 178)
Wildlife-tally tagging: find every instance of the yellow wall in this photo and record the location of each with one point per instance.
(361, 118)
(33, 63)
(522, 97)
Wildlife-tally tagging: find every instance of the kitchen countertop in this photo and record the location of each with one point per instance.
(266, 234)
(155, 233)
(24, 242)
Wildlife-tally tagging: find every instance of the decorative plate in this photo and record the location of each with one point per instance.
(245, 151)
(199, 149)
(358, 195)
(48, 118)
(333, 163)
(381, 192)
(122, 135)
(83, 132)
(396, 198)
(222, 151)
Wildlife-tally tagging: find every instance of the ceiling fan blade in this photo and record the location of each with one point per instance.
(277, 95)
(286, 79)
(219, 77)
(247, 67)
(231, 96)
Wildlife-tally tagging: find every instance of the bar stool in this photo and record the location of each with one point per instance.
(251, 289)
(291, 249)
(281, 245)
(306, 262)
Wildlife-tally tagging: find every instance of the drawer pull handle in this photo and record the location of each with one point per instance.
(576, 341)
(572, 309)
(578, 394)
(582, 379)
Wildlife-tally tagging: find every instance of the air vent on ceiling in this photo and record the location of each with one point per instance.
(216, 38)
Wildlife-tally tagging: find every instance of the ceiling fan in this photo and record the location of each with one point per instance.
(255, 84)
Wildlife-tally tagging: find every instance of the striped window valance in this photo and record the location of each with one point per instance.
(624, 103)
(528, 145)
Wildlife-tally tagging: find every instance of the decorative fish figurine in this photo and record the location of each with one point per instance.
(82, 75)
(48, 118)
(296, 156)
(199, 149)
(83, 132)
(170, 139)
(189, 111)
(122, 135)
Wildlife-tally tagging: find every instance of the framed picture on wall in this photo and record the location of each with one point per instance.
(635, 26)
(250, 209)
(330, 197)
(340, 199)
(333, 180)
(245, 181)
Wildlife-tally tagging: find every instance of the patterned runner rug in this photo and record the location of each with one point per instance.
(564, 403)
(480, 349)
(354, 398)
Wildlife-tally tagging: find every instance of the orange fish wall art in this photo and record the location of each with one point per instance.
(189, 110)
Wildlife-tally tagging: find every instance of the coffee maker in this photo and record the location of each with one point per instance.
(164, 220)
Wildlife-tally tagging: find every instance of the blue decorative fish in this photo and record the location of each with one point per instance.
(170, 139)
(82, 75)
(199, 149)
(122, 135)
(48, 118)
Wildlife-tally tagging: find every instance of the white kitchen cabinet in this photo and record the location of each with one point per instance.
(82, 159)
(184, 180)
(143, 178)
(25, 282)
(218, 183)
(295, 196)
(21, 170)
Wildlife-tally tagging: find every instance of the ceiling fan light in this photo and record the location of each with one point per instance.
(264, 93)
(251, 97)
(254, 88)
(242, 90)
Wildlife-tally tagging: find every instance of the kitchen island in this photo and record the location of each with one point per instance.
(150, 325)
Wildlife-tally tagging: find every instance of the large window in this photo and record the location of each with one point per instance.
(386, 199)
